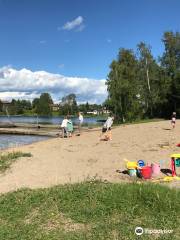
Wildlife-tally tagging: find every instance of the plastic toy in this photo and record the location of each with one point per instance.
(132, 172)
(175, 162)
(141, 163)
(155, 169)
(146, 172)
(131, 165)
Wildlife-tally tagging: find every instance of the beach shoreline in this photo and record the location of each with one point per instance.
(70, 160)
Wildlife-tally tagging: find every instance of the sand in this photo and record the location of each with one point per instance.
(59, 161)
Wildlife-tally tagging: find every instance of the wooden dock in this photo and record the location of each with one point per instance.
(29, 131)
(33, 129)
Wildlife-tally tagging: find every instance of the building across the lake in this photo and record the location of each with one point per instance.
(5, 105)
(55, 107)
(99, 112)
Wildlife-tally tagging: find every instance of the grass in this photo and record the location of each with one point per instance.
(91, 211)
(7, 159)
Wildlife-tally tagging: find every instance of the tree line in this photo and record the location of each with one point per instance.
(140, 86)
(44, 106)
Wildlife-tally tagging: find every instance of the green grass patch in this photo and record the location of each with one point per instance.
(92, 210)
(7, 159)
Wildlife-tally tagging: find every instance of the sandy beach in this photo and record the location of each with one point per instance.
(59, 161)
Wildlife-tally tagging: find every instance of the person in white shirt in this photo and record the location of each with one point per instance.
(64, 126)
(81, 119)
(173, 120)
(106, 130)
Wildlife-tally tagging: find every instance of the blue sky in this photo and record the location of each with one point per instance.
(80, 38)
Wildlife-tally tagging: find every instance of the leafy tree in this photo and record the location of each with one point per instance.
(35, 104)
(87, 107)
(82, 108)
(19, 107)
(107, 104)
(69, 105)
(26, 105)
(171, 63)
(122, 86)
(1, 106)
(12, 109)
(153, 85)
(44, 105)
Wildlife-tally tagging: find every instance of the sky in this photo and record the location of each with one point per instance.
(65, 46)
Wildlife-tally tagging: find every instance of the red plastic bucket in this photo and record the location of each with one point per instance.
(146, 172)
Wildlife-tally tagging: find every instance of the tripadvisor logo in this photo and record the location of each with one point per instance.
(139, 231)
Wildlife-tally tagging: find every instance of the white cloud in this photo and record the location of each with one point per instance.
(26, 84)
(80, 28)
(18, 95)
(76, 24)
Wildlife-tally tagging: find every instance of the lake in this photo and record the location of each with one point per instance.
(17, 140)
(48, 120)
(7, 140)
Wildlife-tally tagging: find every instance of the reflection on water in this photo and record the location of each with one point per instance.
(8, 140)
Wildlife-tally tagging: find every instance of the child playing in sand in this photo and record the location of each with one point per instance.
(64, 126)
(69, 127)
(106, 130)
(173, 120)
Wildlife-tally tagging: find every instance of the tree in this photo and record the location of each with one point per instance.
(87, 107)
(69, 105)
(19, 107)
(44, 105)
(35, 103)
(107, 104)
(171, 63)
(139, 86)
(12, 109)
(122, 86)
(82, 108)
(1, 106)
(26, 105)
(153, 85)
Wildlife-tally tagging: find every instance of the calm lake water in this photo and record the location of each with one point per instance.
(7, 140)
(17, 140)
(48, 120)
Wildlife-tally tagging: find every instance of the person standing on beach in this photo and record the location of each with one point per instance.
(80, 120)
(69, 127)
(64, 126)
(106, 130)
(173, 120)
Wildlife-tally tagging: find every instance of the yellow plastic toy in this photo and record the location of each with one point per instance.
(169, 178)
(131, 165)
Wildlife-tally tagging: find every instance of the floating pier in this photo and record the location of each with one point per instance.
(34, 129)
(7, 125)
